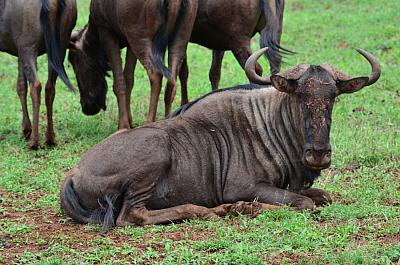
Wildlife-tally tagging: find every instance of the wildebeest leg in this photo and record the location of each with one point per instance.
(49, 98)
(177, 48)
(276, 196)
(183, 77)
(36, 89)
(242, 54)
(320, 197)
(248, 208)
(22, 90)
(143, 53)
(155, 83)
(112, 48)
(129, 73)
(174, 64)
(141, 216)
(28, 60)
(215, 69)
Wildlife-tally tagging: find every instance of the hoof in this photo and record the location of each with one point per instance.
(320, 197)
(26, 133)
(51, 140)
(304, 204)
(34, 146)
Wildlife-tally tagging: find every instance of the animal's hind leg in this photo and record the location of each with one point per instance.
(155, 83)
(177, 49)
(49, 98)
(112, 48)
(215, 70)
(36, 89)
(183, 77)
(22, 90)
(129, 73)
(141, 216)
(29, 69)
(175, 62)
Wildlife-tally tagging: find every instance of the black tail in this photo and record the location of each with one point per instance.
(161, 39)
(106, 214)
(270, 35)
(52, 40)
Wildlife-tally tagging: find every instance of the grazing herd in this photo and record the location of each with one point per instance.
(241, 149)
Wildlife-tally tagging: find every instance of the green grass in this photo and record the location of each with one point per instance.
(360, 227)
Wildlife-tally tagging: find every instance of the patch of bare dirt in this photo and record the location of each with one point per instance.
(289, 258)
(48, 228)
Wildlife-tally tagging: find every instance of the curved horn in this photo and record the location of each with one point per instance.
(250, 69)
(376, 67)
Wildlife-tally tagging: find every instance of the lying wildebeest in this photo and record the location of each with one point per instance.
(146, 28)
(226, 25)
(29, 29)
(244, 143)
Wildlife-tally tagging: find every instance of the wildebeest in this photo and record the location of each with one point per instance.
(226, 25)
(245, 143)
(147, 28)
(29, 29)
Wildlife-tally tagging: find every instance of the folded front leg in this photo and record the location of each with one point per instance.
(241, 207)
(142, 216)
(276, 196)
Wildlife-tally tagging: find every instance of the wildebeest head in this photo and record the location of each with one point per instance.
(90, 66)
(315, 88)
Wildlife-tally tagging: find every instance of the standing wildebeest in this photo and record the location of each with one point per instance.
(23, 34)
(240, 144)
(146, 28)
(226, 25)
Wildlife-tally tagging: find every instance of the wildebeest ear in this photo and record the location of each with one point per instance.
(282, 84)
(351, 85)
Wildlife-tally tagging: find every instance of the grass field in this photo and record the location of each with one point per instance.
(362, 226)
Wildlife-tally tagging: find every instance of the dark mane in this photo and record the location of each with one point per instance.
(184, 108)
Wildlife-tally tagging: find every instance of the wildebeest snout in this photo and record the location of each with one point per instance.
(92, 109)
(318, 158)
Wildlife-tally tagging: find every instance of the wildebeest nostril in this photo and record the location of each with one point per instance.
(328, 154)
(317, 158)
(309, 155)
